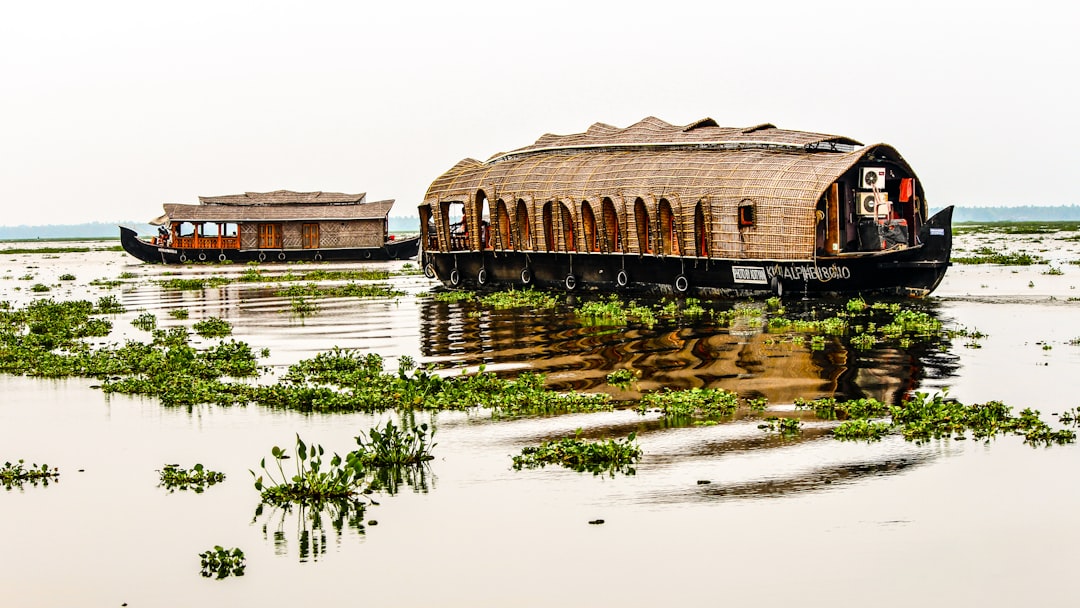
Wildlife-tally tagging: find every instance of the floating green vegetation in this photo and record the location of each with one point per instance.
(220, 562)
(514, 298)
(178, 313)
(610, 456)
(614, 311)
(302, 307)
(694, 403)
(861, 429)
(924, 417)
(14, 475)
(106, 283)
(1016, 227)
(312, 481)
(145, 321)
(785, 427)
(193, 284)
(1053, 271)
(39, 288)
(212, 327)
(454, 296)
(44, 250)
(409, 269)
(348, 290)
(829, 408)
(109, 305)
(67, 276)
(197, 479)
(395, 446)
(623, 378)
(256, 275)
(988, 255)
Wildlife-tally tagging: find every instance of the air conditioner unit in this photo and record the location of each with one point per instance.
(872, 177)
(865, 203)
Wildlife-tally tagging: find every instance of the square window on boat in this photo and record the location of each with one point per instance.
(746, 214)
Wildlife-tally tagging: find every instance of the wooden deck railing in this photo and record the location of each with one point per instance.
(207, 242)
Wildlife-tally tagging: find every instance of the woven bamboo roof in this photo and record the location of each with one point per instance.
(783, 173)
(653, 132)
(284, 197)
(278, 212)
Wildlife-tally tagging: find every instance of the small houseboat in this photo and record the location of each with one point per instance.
(280, 226)
(687, 209)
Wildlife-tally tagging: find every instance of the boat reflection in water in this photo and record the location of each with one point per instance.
(744, 357)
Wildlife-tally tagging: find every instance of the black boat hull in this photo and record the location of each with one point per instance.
(911, 271)
(401, 249)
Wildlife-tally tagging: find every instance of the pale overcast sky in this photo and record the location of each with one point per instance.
(110, 108)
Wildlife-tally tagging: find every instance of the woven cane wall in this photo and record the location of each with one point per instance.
(783, 185)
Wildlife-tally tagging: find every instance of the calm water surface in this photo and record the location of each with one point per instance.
(809, 520)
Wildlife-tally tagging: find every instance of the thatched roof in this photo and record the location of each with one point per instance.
(284, 197)
(278, 212)
(653, 132)
(784, 173)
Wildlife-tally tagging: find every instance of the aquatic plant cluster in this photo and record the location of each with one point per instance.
(220, 562)
(198, 478)
(609, 456)
(14, 475)
(924, 417)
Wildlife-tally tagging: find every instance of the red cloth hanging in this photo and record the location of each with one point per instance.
(907, 188)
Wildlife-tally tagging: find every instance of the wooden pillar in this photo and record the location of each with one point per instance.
(832, 219)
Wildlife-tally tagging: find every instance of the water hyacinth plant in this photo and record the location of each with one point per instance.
(312, 481)
(14, 475)
(220, 562)
(197, 479)
(609, 456)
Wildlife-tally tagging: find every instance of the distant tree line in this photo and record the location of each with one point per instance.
(1021, 213)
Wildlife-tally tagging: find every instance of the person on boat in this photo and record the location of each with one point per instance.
(163, 235)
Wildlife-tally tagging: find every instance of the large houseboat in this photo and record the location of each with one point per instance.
(280, 226)
(687, 209)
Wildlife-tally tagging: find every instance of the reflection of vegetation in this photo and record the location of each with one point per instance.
(221, 562)
(212, 327)
(310, 524)
(15, 475)
(174, 477)
(610, 456)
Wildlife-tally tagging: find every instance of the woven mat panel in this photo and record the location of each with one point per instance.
(784, 186)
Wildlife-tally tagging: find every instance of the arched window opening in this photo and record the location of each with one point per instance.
(453, 218)
(504, 239)
(549, 229)
(701, 231)
(747, 213)
(641, 220)
(669, 234)
(611, 226)
(567, 228)
(588, 227)
(524, 239)
(483, 214)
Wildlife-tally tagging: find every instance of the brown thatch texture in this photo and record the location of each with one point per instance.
(278, 212)
(284, 197)
(782, 174)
